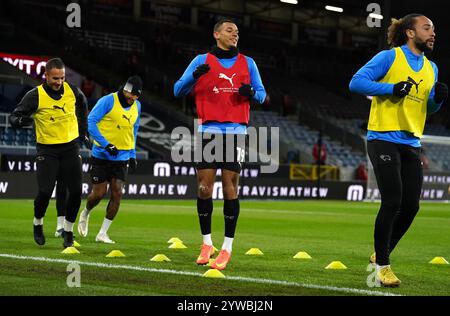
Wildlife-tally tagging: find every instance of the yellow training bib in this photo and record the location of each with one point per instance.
(391, 113)
(56, 120)
(118, 125)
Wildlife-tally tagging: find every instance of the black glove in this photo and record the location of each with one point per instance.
(86, 141)
(246, 90)
(402, 88)
(200, 70)
(440, 92)
(20, 121)
(132, 165)
(112, 150)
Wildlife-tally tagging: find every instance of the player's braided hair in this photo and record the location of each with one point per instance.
(397, 30)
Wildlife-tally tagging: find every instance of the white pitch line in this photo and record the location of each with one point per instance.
(251, 210)
(187, 273)
(276, 211)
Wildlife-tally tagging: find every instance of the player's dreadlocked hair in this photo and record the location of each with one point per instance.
(397, 30)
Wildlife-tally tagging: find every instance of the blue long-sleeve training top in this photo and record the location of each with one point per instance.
(187, 81)
(104, 106)
(365, 82)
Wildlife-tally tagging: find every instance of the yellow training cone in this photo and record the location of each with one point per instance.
(213, 273)
(439, 260)
(76, 245)
(254, 251)
(336, 265)
(302, 255)
(70, 251)
(160, 258)
(115, 253)
(177, 245)
(174, 239)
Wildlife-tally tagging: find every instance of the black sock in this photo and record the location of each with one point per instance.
(204, 210)
(73, 205)
(41, 204)
(61, 200)
(231, 210)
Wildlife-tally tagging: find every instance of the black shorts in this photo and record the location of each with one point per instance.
(232, 153)
(105, 170)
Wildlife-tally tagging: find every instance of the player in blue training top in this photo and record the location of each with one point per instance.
(404, 85)
(113, 124)
(223, 82)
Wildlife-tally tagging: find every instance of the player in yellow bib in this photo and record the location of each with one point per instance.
(114, 124)
(60, 111)
(405, 89)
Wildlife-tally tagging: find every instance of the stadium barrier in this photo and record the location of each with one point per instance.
(167, 180)
(17, 185)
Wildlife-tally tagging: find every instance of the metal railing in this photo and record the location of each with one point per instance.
(313, 172)
(31, 149)
(11, 79)
(109, 40)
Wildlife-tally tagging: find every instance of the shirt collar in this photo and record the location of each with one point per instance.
(409, 54)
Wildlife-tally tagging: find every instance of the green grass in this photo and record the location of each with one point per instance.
(328, 231)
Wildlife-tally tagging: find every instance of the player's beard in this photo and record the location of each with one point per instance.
(423, 47)
(130, 101)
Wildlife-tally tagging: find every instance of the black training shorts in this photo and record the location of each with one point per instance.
(105, 170)
(231, 156)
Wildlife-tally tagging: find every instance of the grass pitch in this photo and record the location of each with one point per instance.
(328, 231)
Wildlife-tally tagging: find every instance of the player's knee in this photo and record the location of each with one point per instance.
(97, 195)
(44, 195)
(116, 193)
(411, 208)
(229, 192)
(393, 204)
(205, 191)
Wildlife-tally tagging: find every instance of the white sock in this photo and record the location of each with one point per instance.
(381, 267)
(39, 221)
(207, 240)
(105, 226)
(60, 222)
(86, 211)
(228, 244)
(68, 226)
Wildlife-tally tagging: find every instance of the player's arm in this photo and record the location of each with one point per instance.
(136, 128)
(103, 106)
(21, 116)
(365, 80)
(132, 162)
(81, 111)
(436, 100)
(256, 82)
(184, 85)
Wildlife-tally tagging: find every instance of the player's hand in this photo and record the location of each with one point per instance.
(20, 121)
(246, 90)
(25, 121)
(440, 92)
(402, 88)
(200, 71)
(86, 141)
(132, 165)
(112, 150)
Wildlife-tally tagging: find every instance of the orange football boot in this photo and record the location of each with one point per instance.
(222, 260)
(206, 253)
